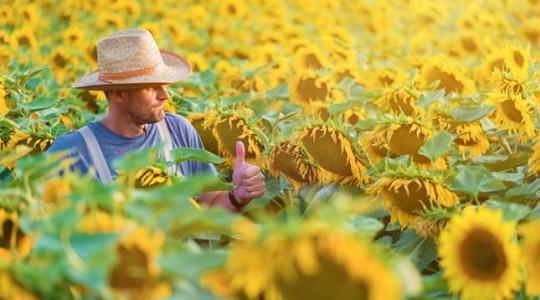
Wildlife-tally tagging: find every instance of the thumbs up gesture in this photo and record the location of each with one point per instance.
(247, 178)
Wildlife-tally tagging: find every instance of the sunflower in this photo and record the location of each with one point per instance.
(531, 30)
(107, 21)
(204, 123)
(400, 101)
(386, 77)
(512, 113)
(6, 14)
(309, 261)
(24, 38)
(333, 150)
(308, 87)
(450, 76)
(403, 138)
(135, 273)
(231, 127)
(479, 257)
(506, 83)
(309, 58)
(56, 190)
(12, 239)
(406, 194)
(534, 161)
(73, 35)
(340, 72)
(375, 145)
(530, 249)
(61, 62)
(12, 289)
(289, 159)
(471, 138)
(39, 143)
(197, 61)
(3, 103)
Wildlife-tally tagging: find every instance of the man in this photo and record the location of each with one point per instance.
(133, 72)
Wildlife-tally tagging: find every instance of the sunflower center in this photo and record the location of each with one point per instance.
(411, 201)
(447, 81)
(327, 152)
(7, 234)
(511, 112)
(131, 270)
(288, 163)
(498, 65)
(60, 61)
(482, 255)
(469, 44)
(23, 41)
(404, 140)
(518, 58)
(312, 61)
(310, 90)
(315, 286)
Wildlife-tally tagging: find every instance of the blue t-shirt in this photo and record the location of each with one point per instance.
(115, 146)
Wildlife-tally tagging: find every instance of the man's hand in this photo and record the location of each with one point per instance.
(247, 179)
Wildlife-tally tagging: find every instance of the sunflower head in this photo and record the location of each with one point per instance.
(530, 249)
(38, 142)
(308, 87)
(309, 58)
(311, 261)
(400, 101)
(11, 288)
(512, 113)
(407, 192)
(146, 177)
(230, 127)
(332, 147)
(291, 160)
(204, 123)
(479, 256)
(14, 243)
(450, 75)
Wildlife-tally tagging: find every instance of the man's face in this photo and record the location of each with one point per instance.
(145, 105)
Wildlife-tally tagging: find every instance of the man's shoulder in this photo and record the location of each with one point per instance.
(67, 141)
(178, 122)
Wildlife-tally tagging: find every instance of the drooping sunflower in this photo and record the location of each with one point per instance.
(534, 161)
(386, 77)
(512, 113)
(400, 101)
(24, 38)
(147, 177)
(450, 75)
(38, 142)
(12, 289)
(308, 87)
(204, 123)
(62, 62)
(309, 58)
(471, 138)
(309, 261)
(73, 35)
(230, 127)
(506, 83)
(56, 190)
(289, 159)
(407, 193)
(375, 144)
(530, 249)
(404, 138)
(332, 148)
(12, 238)
(479, 256)
(135, 274)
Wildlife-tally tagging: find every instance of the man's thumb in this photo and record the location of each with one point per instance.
(240, 154)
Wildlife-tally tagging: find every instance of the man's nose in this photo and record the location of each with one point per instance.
(162, 93)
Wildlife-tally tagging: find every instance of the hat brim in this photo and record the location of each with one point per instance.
(174, 69)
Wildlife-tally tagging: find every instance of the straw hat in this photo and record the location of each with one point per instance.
(129, 59)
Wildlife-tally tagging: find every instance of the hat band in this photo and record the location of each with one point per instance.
(128, 74)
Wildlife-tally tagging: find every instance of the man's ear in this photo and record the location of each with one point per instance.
(116, 96)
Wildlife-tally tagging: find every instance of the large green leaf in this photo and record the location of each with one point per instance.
(474, 180)
(511, 211)
(526, 191)
(437, 145)
(183, 154)
(367, 225)
(190, 264)
(470, 114)
(137, 159)
(40, 103)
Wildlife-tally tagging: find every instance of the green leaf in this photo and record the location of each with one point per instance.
(137, 159)
(475, 179)
(427, 98)
(437, 145)
(367, 225)
(511, 211)
(527, 191)
(31, 73)
(470, 114)
(516, 159)
(40, 103)
(183, 154)
(281, 91)
(194, 264)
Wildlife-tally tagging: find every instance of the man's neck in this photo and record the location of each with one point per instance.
(122, 126)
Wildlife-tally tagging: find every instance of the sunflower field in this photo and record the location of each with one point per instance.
(398, 138)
